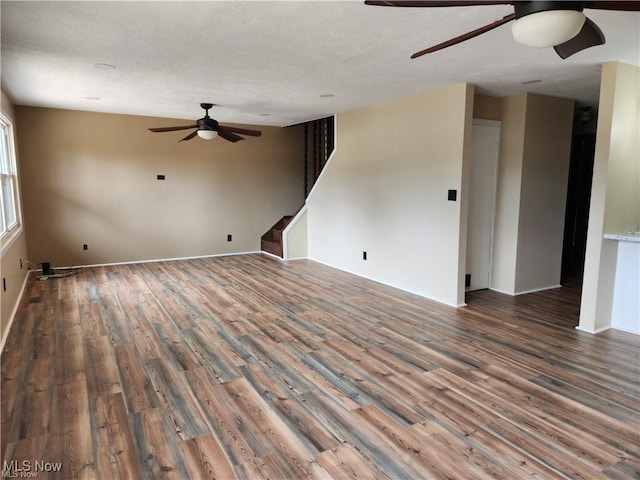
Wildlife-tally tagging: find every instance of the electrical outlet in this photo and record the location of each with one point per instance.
(229, 238)
(85, 246)
(452, 195)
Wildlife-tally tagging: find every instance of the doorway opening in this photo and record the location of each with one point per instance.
(578, 195)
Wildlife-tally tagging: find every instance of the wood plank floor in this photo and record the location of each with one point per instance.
(248, 367)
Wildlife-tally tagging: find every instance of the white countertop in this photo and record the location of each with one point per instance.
(624, 237)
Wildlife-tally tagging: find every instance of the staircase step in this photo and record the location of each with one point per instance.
(271, 241)
(270, 236)
(274, 248)
(282, 223)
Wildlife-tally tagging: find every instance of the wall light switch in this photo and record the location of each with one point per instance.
(452, 195)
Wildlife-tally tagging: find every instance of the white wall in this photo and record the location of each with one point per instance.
(625, 310)
(385, 192)
(295, 237)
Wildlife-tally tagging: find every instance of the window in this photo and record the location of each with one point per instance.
(8, 179)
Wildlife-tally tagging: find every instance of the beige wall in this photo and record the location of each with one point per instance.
(615, 190)
(622, 120)
(505, 243)
(532, 186)
(90, 178)
(543, 193)
(13, 249)
(385, 192)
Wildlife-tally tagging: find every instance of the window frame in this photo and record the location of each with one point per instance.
(9, 232)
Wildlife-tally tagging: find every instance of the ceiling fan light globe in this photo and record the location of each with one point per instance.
(548, 28)
(207, 134)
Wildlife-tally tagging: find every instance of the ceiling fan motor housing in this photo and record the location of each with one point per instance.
(207, 123)
(522, 9)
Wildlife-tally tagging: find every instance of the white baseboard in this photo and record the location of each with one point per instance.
(524, 292)
(627, 330)
(271, 255)
(541, 289)
(12, 317)
(504, 292)
(135, 262)
(593, 332)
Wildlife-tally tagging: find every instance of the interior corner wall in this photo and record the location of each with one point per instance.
(507, 209)
(615, 190)
(531, 194)
(91, 178)
(543, 192)
(467, 149)
(385, 193)
(12, 252)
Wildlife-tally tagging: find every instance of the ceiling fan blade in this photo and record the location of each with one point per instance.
(625, 6)
(460, 3)
(589, 36)
(241, 131)
(171, 129)
(190, 136)
(227, 135)
(466, 36)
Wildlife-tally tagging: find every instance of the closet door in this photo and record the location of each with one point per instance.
(482, 194)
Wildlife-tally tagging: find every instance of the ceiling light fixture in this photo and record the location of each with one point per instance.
(548, 28)
(207, 134)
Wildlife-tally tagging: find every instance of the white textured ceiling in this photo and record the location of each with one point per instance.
(256, 57)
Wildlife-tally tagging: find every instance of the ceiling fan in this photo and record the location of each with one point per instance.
(560, 25)
(208, 128)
